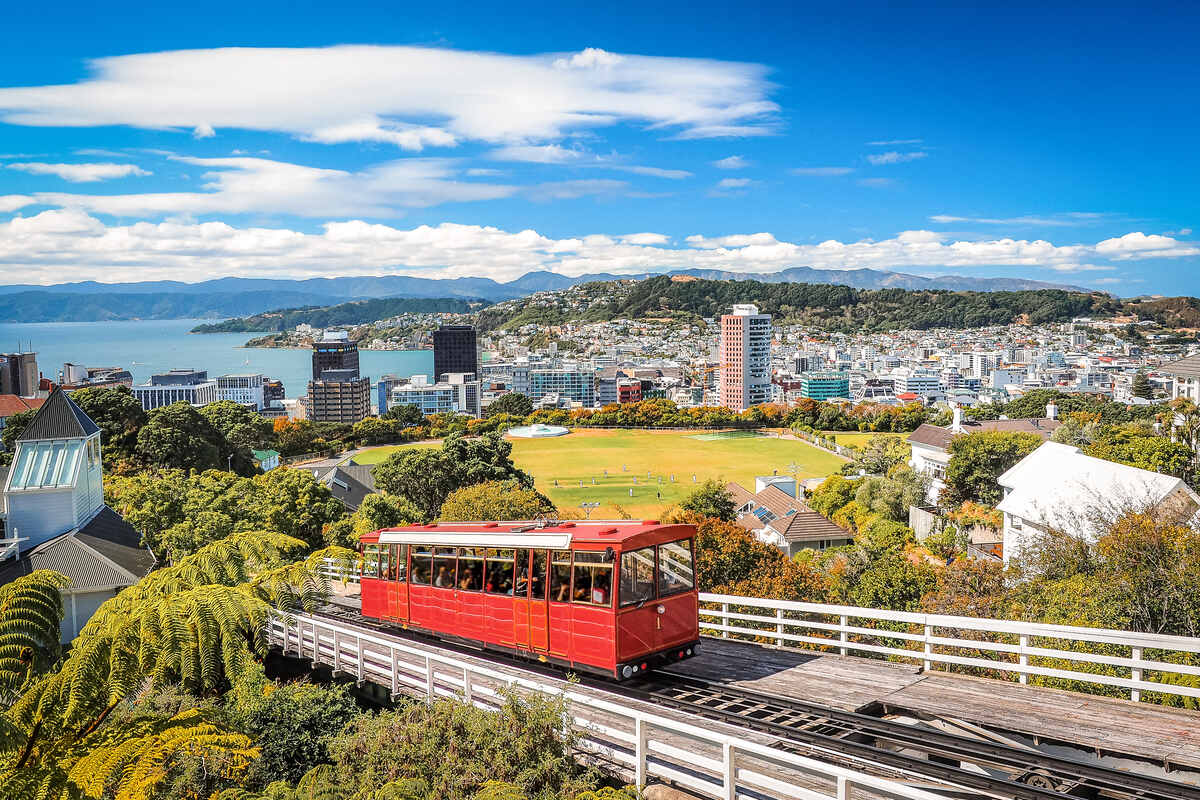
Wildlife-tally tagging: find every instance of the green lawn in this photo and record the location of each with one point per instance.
(858, 439)
(586, 455)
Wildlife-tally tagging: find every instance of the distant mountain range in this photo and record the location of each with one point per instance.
(234, 297)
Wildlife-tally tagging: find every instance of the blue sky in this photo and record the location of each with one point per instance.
(492, 140)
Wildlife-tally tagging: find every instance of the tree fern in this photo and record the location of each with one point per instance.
(31, 610)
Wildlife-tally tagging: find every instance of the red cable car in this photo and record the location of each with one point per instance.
(613, 598)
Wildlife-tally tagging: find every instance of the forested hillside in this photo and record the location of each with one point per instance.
(357, 312)
(839, 308)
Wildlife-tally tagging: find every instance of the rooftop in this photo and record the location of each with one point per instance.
(58, 418)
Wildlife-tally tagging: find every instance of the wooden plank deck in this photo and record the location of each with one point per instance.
(843, 682)
(1167, 736)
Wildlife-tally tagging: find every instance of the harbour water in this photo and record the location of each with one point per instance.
(148, 346)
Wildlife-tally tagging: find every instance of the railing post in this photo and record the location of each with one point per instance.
(337, 653)
(316, 644)
(843, 788)
(725, 620)
(1135, 654)
(1024, 659)
(842, 635)
(360, 659)
(395, 671)
(779, 627)
(467, 685)
(729, 771)
(429, 690)
(641, 739)
(928, 647)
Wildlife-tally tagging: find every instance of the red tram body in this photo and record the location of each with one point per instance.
(614, 598)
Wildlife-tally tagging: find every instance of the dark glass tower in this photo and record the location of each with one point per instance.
(455, 350)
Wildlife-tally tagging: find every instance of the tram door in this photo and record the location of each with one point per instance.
(530, 610)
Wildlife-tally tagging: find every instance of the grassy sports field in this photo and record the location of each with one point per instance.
(859, 439)
(614, 460)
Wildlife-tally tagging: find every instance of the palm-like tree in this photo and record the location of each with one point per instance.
(199, 624)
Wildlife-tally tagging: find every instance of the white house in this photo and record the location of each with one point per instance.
(55, 517)
(775, 515)
(1059, 488)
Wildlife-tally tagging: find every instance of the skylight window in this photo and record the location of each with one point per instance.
(44, 465)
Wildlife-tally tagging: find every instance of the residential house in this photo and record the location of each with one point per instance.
(349, 483)
(777, 516)
(1059, 488)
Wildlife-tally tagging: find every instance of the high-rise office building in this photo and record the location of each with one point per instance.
(337, 393)
(19, 374)
(745, 358)
(335, 351)
(455, 349)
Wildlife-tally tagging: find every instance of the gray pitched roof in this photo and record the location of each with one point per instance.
(349, 483)
(1184, 368)
(58, 418)
(939, 437)
(105, 552)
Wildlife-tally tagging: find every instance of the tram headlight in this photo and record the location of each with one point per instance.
(627, 671)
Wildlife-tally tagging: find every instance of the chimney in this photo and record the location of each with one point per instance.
(1051, 410)
(957, 425)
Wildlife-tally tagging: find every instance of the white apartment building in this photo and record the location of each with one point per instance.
(196, 394)
(459, 394)
(246, 389)
(745, 358)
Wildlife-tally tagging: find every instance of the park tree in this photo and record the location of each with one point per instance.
(14, 426)
(891, 496)
(731, 560)
(1143, 448)
(834, 493)
(710, 499)
(241, 426)
(1141, 386)
(405, 414)
(977, 460)
(294, 503)
(118, 414)
(878, 456)
(294, 437)
(495, 500)
(178, 436)
(426, 477)
(376, 511)
(514, 403)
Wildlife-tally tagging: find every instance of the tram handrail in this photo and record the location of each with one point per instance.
(999, 648)
(369, 656)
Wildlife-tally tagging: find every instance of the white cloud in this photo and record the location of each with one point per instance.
(1138, 245)
(821, 172)
(71, 244)
(1180, 232)
(732, 162)
(894, 157)
(1071, 219)
(569, 190)
(557, 154)
(894, 142)
(411, 97)
(241, 184)
(203, 131)
(876, 183)
(733, 183)
(80, 173)
(11, 202)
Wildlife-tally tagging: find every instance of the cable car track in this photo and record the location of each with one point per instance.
(883, 747)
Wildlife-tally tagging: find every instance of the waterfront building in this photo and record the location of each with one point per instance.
(339, 398)
(745, 357)
(573, 383)
(334, 351)
(19, 374)
(246, 389)
(191, 386)
(455, 349)
(458, 394)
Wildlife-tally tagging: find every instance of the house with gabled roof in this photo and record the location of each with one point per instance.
(55, 518)
(776, 515)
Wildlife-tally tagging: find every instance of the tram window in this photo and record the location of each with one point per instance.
(592, 579)
(383, 561)
(422, 564)
(444, 566)
(637, 576)
(537, 585)
(560, 577)
(400, 562)
(675, 572)
(370, 567)
(499, 571)
(522, 586)
(470, 569)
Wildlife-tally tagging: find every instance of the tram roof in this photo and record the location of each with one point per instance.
(524, 533)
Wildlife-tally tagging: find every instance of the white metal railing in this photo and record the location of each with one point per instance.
(1021, 648)
(710, 762)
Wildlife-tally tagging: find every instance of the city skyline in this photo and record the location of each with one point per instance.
(442, 144)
